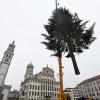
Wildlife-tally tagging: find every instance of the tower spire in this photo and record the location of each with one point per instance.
(11, 47)
(5, 63)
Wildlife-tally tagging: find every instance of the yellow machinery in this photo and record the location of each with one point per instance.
(90, 98)
(61, 95)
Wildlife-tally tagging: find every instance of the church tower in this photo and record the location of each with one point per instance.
(5, 62)
(29, 71)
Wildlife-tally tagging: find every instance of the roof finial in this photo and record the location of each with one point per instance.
(13, 42)
(31, 61)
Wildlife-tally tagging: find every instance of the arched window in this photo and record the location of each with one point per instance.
(6, 55)
(9, 56)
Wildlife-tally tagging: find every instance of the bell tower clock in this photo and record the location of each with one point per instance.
(5, 63)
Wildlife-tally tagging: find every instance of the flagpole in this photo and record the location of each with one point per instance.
(56, 4)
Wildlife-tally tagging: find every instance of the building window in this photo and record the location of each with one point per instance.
(30, 86)
(50, 89)
(46, 87)
(33, 87)
(32, 93)
(94, 83)
(7, 56)
(29, 93)
(35, 93)
(38, 94)
(38, 87)
(41, 94)
(41, 87)
(96, 89)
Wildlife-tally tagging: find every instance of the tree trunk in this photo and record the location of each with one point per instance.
(77, 72)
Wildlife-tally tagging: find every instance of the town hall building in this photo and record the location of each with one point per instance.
(41, 86)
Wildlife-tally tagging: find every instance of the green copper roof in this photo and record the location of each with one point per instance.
(30, 65)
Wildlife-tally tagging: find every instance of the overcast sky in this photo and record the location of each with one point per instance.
(23, 21)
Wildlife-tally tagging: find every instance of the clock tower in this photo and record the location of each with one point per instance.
(5, 62)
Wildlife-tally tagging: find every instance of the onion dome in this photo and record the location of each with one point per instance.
(30, 65)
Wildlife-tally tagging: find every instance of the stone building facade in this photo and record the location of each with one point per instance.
(13, 95)
(90, 88)
(72, 93)
(41, 86)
